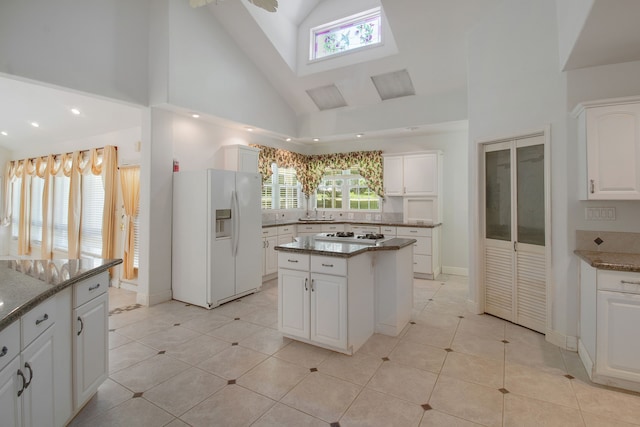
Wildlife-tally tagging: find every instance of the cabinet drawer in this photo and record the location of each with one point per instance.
(388, 231)
(332, 228)
(364, 229)
(269, 231)
(9, 343)
(329, 265)
(286, 229)
(90, 288)
(619, 281)
(310, 228)
(37, 321)
(422, 264)
(293, 261)
(414, 232)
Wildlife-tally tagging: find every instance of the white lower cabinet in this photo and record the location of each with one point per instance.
(329, 310)
(10, 402)
(38, 390)
(293, 301)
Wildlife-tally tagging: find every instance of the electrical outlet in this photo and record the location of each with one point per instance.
(600, 214)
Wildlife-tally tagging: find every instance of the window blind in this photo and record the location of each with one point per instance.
(37, 187)
(61, 213)
(91, 223)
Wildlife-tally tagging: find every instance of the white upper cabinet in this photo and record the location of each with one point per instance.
(609, 143)
(412, 174)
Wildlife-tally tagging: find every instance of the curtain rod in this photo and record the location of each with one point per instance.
(128, 166)
(62, 154)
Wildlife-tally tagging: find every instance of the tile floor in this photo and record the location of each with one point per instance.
(179, 365)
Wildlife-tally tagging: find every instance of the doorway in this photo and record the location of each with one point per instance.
(516, 223)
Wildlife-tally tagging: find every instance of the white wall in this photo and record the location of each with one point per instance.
(454, 145)
(94, 46)
(571, 15)
(515, 87)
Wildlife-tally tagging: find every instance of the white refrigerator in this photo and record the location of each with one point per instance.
(216, 254)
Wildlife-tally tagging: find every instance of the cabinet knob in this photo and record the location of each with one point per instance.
(592, 186)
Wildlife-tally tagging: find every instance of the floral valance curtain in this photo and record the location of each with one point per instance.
(310, 169)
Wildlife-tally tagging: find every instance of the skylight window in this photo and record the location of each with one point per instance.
(353, 32)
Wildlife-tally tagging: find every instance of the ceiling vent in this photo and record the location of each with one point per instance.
(327, 97)
(394, 85)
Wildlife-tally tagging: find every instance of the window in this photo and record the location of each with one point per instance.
(346, 190)
(37, 187)
(282, 190)
(91, 223)
(61, 213)
(353, 32)
(15, 206)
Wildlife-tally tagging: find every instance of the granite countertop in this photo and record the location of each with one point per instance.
(611, 260)
(309, 245)
(26, 283)
(266, 224)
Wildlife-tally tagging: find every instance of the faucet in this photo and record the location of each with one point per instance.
(316, 212)
(323, 214)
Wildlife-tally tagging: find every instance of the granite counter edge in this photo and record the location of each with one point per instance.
(595, 260)
(271, 224)
(389, 245)
(21, 310)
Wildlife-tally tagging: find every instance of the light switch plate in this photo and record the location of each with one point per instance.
(600, 214)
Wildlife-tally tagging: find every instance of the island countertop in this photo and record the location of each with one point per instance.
(309, 245)
(26, 283)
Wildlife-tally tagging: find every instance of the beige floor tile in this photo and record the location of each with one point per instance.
(515, 333)
(173, 336)
(235, 331)
(109, 394)
(116, 340)
(148, 373)
(207, 323)
(322, 396)
(468, 401)
(266, 341)
(177, 422)
(235, 309)
(263, 316)
(232, 362)
(185, 390)
(433, 418)
(430, 335)
(281, 415)
(543, 356)
(303, 354)
(608, 403)
(133, 413)
(404, 382)
(376, 409)
(357, 369)
(147, 326)
(487, 372)
(419, 356)
(177, 311)
(263, 298)
(129, 354)
(447, 305)
(379, 345)
(488, 329)
(474, 345)
(273, 378)
(531, 382)
(197, 350)
(438, 320)
(521, 411)
(121, 320)
(592, 420)
(233, 406)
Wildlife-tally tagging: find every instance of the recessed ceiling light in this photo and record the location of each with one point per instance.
(75, 111)
(316, 139)
(4, 133)
(249, 129)
(288, 139)
(359, 135)
(195, 115)
(412, 128)
(35, 124)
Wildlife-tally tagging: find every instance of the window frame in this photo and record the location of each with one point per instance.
(273, 184)
(346, 176)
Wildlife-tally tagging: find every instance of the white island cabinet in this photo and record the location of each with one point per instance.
(326, 301)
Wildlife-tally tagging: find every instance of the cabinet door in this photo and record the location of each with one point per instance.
(329, 310)
(618, 346)
(613, 152)
(91, 365)
(38, 367)
(293, 302)
(392, 171)
(421, 175)
(10, 403)
(271, 257)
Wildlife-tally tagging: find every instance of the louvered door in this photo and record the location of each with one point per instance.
(515, 222)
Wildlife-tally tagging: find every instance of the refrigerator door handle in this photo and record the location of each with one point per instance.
(236, 223)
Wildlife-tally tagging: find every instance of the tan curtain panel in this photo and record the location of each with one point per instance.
(310, 169)
(9, 175)
(130, 183)
(109, 170)
(75, 203)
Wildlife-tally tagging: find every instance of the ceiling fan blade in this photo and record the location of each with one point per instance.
(268, 5)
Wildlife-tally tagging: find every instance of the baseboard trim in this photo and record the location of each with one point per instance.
(149, 300)
(566, 342)
(474, 307)
(456, 271)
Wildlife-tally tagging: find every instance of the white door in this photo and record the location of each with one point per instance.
(90, 347)
(329, 310)
(38, 368)
(515, 230)
(293, 302)
(10, 402)
(618, 346)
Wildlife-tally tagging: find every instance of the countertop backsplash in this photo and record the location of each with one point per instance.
(608, 241)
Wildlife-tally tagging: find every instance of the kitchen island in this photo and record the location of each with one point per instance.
(53, 337)
(336, 295)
